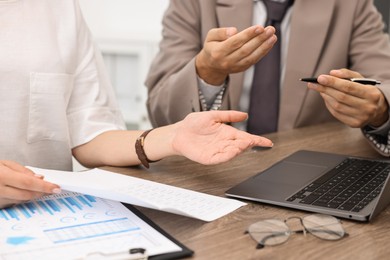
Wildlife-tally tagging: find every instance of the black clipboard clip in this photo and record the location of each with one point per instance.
(131, 254)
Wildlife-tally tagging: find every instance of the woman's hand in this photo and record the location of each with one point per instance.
(205, 138)
(19, 184)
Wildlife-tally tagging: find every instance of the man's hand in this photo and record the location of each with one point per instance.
(227, 51)
(352, 103)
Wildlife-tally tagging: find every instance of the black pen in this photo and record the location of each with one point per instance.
(365, 81)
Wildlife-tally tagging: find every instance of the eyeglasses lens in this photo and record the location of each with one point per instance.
(324, 226)
(269, 232)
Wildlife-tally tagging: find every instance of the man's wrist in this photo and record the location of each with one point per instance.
(382, 129)
(209, 75)
(383, 116)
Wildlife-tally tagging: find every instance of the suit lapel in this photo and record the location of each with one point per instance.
(233, 13)
(309, 26)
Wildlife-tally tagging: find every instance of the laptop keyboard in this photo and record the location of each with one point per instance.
(350, 186)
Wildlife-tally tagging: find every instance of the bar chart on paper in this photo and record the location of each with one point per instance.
(69, 223)
(50, 206)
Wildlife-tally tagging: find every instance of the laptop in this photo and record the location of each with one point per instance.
(342, 186)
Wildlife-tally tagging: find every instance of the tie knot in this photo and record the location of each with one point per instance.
(276, 10)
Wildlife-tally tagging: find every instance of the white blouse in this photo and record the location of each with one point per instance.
(55, 94)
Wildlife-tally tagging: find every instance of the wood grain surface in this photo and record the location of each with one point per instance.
(224, 238)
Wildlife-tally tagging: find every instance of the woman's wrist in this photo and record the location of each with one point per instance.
(140, 151)
(158, 143)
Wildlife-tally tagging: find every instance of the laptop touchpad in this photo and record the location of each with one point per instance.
(292, 173)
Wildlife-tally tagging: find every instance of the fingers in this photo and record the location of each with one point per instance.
(339, 109)
(17, 167)
(242, 140)
(233, 146)
(20, 196)
(30, 183)
(22, 185)
(346, 114)
(343, 90)
(205, 138)
(4, 203)
(253, 42)
(220, 34)
(365, 98)
(255, 35)
(247, 47)
(350, 102)
(227, 51)
(254, 140)
(232, 116)
(228, 116)
(261, 141)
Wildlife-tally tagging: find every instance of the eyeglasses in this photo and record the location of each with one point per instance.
(271, 232)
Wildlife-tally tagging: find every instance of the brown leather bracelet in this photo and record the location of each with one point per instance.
(139, 149)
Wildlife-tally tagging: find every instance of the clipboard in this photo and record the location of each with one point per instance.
(83, 227)
(186, 252)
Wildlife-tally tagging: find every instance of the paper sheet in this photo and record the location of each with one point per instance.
(142, 192)
(75, 226)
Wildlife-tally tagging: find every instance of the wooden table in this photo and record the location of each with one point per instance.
(224, 238)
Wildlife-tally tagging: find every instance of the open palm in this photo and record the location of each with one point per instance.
(205, 138)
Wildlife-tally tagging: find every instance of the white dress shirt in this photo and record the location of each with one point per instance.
(55, 94)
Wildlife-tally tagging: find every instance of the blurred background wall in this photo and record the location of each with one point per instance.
(128, 33)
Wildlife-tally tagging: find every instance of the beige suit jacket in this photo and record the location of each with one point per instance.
(324, 35)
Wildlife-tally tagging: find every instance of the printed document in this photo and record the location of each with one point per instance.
(76, 226)
(140, 192)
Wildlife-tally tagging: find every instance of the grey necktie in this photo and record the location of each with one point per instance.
(264, 96)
